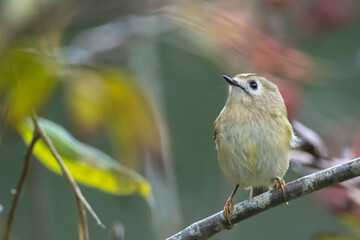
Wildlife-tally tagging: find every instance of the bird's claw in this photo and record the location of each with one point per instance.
(229, 206)
(280, 183)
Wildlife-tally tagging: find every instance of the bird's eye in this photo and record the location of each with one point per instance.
(253, 85)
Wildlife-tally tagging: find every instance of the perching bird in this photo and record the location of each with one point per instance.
(253, 136)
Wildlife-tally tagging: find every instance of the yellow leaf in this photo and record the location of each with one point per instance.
(26, 79)
(110, 99)
(351, 222)
(88, 165)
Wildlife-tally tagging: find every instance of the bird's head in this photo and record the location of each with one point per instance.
(254, 91)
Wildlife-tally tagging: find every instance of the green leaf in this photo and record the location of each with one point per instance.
(87, 164)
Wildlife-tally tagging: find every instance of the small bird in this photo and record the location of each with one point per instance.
(253, 136)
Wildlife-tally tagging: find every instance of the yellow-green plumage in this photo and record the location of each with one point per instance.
(253, 134)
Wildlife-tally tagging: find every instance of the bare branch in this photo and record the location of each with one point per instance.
(81, 200)
(209, 226)
(20, 184)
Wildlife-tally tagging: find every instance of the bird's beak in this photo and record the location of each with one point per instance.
(233, 82)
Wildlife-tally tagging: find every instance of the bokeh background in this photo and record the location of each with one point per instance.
(141, 81)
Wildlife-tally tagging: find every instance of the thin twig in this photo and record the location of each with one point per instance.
(83, 227)
(209, 226)
(68, 176)
(20, 184)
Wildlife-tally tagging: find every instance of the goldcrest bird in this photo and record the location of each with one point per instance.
(253, 136)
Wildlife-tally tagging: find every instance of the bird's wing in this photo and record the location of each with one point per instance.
(295, 141)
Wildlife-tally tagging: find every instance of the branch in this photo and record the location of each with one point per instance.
(209, 226)
(20, 184)
(80, 199)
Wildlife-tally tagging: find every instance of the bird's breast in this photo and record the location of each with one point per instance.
(251, 153)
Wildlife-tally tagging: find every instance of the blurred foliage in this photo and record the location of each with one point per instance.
(32, 69)
(86, 164)
(351, 222)
(239, 40)
(344, 198)
(27, 78)
(118, 66)
(109, 99)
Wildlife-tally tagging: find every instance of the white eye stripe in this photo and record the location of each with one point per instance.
(254, 87)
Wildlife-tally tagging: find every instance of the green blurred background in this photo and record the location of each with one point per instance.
(175, 54)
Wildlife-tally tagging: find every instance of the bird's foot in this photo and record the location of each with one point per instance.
(280, 183)
(229, 206)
